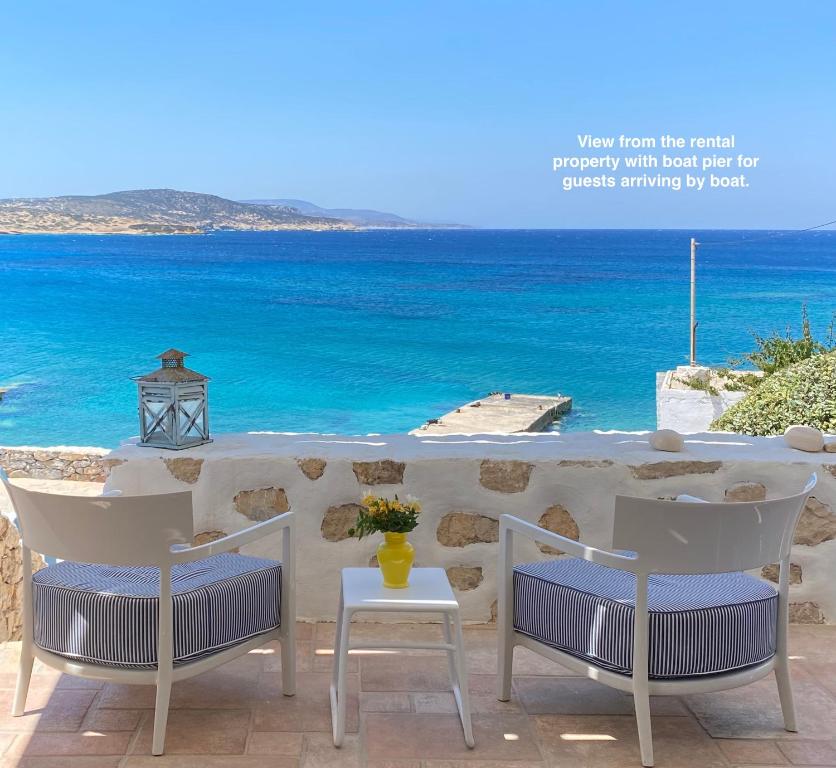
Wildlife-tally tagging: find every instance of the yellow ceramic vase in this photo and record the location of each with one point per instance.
(395, 556)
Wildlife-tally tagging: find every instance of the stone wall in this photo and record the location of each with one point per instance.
(566, 483)
(83, 464)
(11, 576)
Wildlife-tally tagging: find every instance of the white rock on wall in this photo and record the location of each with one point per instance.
(666, 440)
(804, 438)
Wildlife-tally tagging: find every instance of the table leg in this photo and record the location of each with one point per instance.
(338, 694)
(457, 665)
(451, 655)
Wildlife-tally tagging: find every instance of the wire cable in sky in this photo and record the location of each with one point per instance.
(743, 240)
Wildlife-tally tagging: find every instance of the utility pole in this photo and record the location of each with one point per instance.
(694, 245)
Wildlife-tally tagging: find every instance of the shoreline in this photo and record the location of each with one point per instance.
(452, 228)
(73, 233)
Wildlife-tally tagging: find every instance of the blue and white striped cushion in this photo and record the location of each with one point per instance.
(106, 614)
(699, 625)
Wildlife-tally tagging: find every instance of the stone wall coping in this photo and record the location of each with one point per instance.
(85, 449)
(621, 447)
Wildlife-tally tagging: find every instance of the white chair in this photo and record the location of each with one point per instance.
(672, 615)
(133, 602)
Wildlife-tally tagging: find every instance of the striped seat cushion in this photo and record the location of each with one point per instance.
(106, 614)
(699, 625)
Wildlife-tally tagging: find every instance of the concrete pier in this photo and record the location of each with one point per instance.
(499, 413)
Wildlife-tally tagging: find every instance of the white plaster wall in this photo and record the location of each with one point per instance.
(444, 472)
(689, 411)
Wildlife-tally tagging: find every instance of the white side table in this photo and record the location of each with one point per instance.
(429, 591)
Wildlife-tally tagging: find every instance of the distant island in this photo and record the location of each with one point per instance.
(361, 217)
(169, 211)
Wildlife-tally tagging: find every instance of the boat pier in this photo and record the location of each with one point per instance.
(499, 412)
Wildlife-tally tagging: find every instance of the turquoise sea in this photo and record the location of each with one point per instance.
(377, 331)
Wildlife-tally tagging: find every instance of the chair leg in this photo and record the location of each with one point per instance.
(506, 665)
(641, 701)
(504, 614)
(782, 676)
(288, 644)
(161, 713)
(24, 675)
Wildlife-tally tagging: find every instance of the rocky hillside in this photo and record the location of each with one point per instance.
(362, 217)
(151, 211)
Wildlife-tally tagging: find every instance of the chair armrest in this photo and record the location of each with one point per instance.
(509, 524)
(233, 541)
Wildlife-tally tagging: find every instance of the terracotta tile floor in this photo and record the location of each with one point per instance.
(401, 714)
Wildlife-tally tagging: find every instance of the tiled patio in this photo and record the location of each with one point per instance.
(401, 714)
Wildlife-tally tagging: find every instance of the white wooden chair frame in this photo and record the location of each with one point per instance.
(670, 537)
(146, 531)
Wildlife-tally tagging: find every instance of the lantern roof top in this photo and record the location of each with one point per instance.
(172, 354)
(172, 370)
(173, 375)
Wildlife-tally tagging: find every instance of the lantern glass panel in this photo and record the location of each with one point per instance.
(158, 420)
(192, 418)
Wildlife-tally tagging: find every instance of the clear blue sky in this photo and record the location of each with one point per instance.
(438, 110)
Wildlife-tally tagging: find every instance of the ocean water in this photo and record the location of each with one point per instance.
(357, 332)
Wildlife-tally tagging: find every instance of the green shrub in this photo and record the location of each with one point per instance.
(776, 351)
(803, 393)
(701, 384)
(741, 381)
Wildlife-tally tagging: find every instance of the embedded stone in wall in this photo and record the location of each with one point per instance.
(505, 476)
(185, 469)
(464, 577)
(806, 613)
(816, 524)
(494, 611)
(830, 468)
(109, 464)
(557, 519)
(586, 463)
(661, 469)
(261, 504)
(11, 576)
(312, 468)
(746, 491)
(458, 529)
(771, 572)
(337, 521)
(384, 472)
(205, 537)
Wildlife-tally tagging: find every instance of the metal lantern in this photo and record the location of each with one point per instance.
(173, 408)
